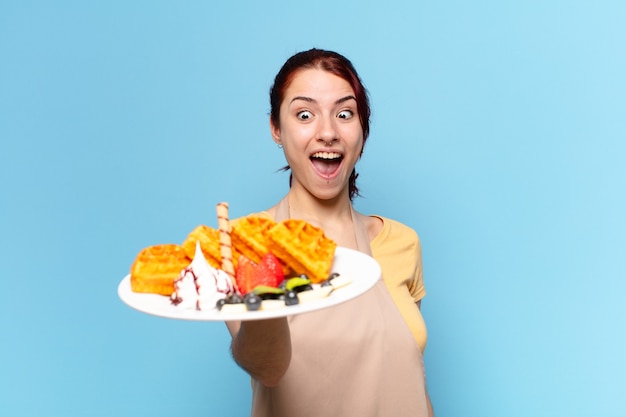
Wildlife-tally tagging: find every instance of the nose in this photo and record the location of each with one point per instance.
(327, 131)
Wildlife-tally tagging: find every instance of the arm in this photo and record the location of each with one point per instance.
(431, 412)
(262, 348)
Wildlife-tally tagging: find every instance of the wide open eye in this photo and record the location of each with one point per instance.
(304, 115)
(345, 114)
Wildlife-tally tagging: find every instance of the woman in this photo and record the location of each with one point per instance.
(363, 357)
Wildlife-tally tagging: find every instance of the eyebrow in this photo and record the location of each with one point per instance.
(311, 100)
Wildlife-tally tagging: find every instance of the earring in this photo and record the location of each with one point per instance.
(280, 145)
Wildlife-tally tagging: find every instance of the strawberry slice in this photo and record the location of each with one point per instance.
(269, 271)
(272, 263)
(249, 275)
(245, 274)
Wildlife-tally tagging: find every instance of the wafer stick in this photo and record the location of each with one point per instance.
(226, 250)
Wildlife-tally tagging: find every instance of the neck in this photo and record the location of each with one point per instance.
(318, 212)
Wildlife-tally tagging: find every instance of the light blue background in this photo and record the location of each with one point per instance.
(498, 133)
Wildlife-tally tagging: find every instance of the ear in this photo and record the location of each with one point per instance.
(275, 130)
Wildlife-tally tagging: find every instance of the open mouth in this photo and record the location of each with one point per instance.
(326, 163)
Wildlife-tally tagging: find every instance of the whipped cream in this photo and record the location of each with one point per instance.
(199, 286)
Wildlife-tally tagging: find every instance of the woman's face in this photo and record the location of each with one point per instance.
(320, 132)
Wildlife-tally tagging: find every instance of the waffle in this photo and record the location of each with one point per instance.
(156, 267)
(303, 247)
(249, 236)
(209, 243)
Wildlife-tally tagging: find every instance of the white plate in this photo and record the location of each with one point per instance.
(363, 270)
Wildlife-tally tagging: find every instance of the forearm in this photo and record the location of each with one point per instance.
(431, 412)
(263, 349)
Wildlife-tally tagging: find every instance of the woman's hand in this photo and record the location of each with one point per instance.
(262, 348)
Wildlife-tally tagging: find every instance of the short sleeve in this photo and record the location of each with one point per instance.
(416, 286)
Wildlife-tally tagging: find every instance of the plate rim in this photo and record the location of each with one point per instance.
(145, 302)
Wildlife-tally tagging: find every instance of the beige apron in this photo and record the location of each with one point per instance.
(358, 358)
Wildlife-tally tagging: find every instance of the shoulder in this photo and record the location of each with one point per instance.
(395, 231)
(398, 251)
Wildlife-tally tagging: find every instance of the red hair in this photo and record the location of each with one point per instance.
(335, 64)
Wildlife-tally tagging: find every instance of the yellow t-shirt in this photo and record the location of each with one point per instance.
(398, 251)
